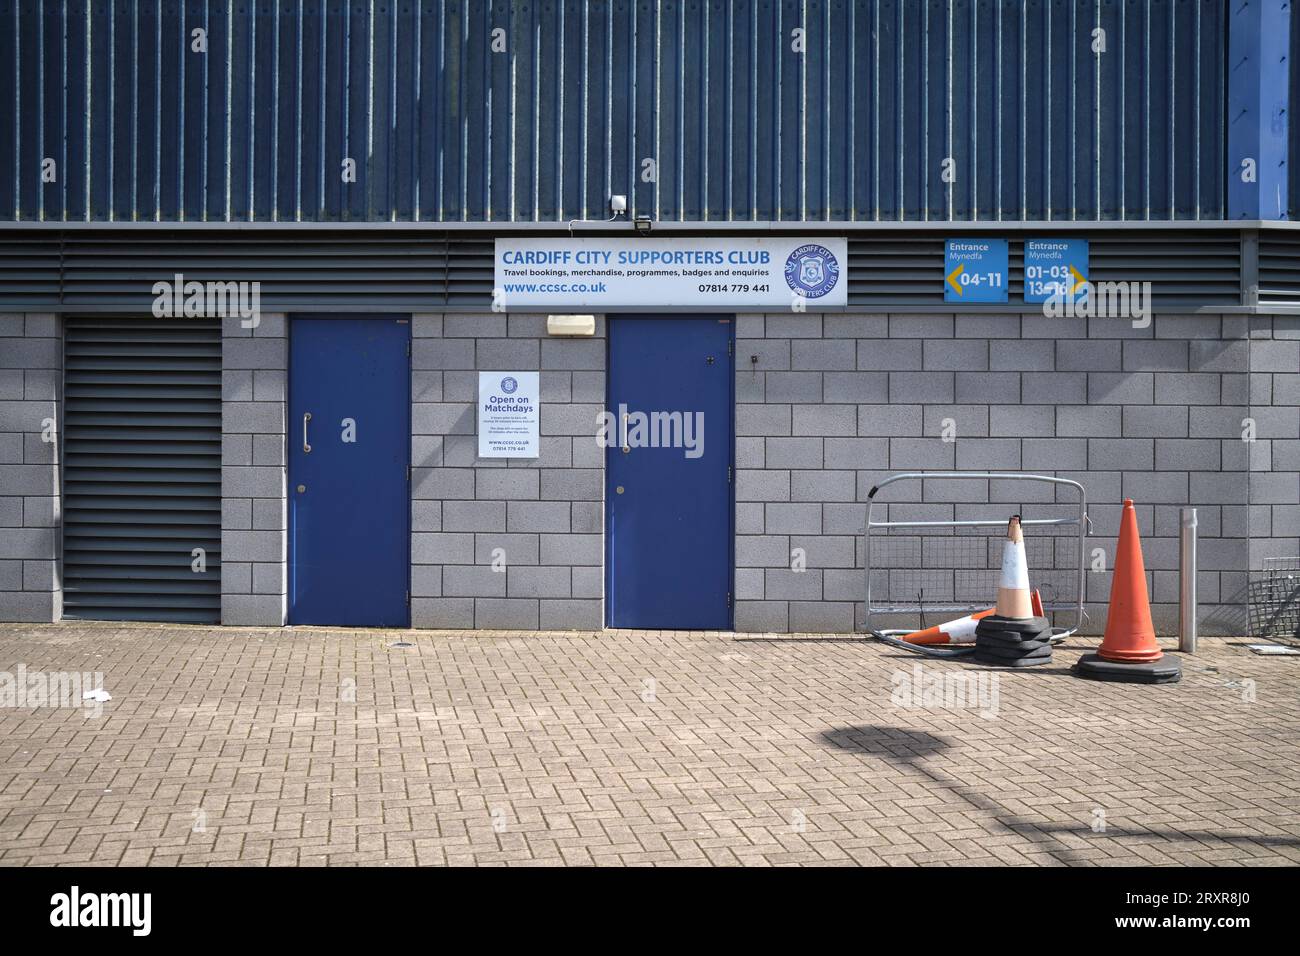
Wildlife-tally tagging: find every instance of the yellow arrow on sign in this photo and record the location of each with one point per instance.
(1079, 279)
(952, 278)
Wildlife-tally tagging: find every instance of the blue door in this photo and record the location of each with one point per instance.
(668, 472)
(349, 448)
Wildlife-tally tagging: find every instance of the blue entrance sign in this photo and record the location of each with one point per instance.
(975, 270)
(1056, 268)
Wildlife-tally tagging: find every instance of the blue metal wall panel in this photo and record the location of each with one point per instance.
(740, 125)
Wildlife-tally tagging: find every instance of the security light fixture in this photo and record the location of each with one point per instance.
(642, 225)
(570, 325)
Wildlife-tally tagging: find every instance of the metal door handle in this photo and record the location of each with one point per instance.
(624, 442)
(306, 417)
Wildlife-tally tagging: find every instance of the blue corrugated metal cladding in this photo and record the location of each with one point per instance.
(538, 110)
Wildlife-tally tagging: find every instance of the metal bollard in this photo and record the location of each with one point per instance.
(1187, 583)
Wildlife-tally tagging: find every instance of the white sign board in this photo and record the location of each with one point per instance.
(508, 407)
(700, 273)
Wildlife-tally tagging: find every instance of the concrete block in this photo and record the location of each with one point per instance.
(856, 453)
(806, 325)
(792, 518)
(773, 355)
(571, 615)
(588, 517)
(253, 610)
(856, 387)
(441, 353)
(508, 355)
(574, 354)
(890, 420)
(821, 355)
(762, 617)
(1052, 454)
(977, 326)
(473, 580)
(1088, 421)
(442, 613)
(443, 548)
(1053, 388)
(1123, 388)
(1121, 454)
(506, 613)
(894, 355)
(824, 485)
(921, 387)
(908, 454)
(782, 584)
(987, 454)
(586, 550)
(793, 387)
(1017, 355)
(855, 326)
(1186, 388)
(588, 582)
(821, 617)
(536, 516)
(958, 355)
(475, 516)
(785, 453)
(509, 484)
(914, 326)
(538, 582)
(824, 420)
(772, 485)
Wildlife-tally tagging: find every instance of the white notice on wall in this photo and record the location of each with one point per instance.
(508, 408)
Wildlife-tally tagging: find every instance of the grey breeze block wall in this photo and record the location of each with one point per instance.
(542, 517)
(254, 521)
(31, 373)
(828, 405)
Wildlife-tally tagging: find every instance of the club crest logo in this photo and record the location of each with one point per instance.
(508, 385)
(812, 271)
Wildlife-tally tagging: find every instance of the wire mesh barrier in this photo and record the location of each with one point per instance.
(921, 571)
(1273, 598)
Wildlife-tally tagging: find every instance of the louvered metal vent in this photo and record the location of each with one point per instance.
(394, 270)
(1186, 270)
(403, 270)
(1279, 268)
(142, 469)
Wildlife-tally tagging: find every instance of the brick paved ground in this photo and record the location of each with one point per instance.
(310, 747)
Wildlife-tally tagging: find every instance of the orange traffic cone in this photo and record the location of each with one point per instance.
(1129, 652)
(1130, 636)
(962, 630)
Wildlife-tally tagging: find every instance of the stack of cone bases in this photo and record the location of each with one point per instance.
(961, 630)
(1129, 651)
(1016, 634)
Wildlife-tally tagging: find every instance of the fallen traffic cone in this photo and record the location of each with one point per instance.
(1129, 651)
(1013, 590)
(962, 630)
(1130, 636)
